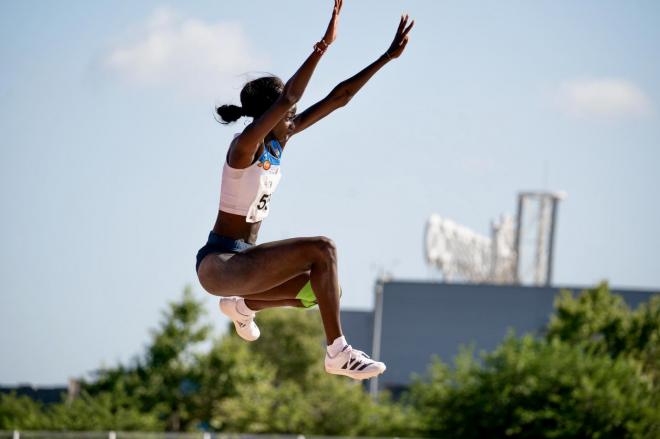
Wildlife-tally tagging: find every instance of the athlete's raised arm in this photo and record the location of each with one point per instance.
(344, 91)
(243, 148)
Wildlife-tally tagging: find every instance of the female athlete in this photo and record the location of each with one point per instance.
(299, 272)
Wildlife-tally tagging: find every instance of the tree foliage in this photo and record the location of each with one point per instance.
(20, 412)
(602, 323)
(291, 340)
(295, 395)
(593, 374)
(164, 381)
(529, 388)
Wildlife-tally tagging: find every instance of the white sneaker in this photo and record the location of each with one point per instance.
(353, 363)
(245, 326)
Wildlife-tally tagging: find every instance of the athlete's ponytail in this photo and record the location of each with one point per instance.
(256, 97)
(229, 113)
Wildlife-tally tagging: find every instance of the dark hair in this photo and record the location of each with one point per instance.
(256, 97)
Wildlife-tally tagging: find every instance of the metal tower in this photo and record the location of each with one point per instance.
(518, 251)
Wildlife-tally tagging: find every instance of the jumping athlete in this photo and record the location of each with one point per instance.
(298, 272)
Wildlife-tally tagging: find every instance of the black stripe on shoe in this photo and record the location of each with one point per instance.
(363, 366)
(345, 365)
(356, 364)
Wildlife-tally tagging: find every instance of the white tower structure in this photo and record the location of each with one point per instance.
(516, 252)
(535, 236)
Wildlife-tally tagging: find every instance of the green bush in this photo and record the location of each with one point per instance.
(295, 396)
(602, 323)
(21, 413)
(593, 375)
(530, 388)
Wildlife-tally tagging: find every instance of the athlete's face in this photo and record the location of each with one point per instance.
(285, 127)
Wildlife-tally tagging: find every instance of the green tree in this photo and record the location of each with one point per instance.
(323, 405)
(296, 395)
(164, 381)
(601, 322)
(595, 319)
(228, 369)
(593, 375)
(104, 411)
(530, 388)
(292, 340)
(21, 412)
(274, 385)
(644, 338)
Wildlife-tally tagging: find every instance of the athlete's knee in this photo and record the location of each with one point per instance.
(325, 248)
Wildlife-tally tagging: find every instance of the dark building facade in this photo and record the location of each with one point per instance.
(46, 395)
(414, 321)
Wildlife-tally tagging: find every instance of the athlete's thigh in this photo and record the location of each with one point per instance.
(259, 268)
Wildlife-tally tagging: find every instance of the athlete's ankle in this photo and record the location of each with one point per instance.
(243, 308)
(336, 346)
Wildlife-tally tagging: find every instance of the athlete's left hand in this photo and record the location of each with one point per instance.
(401, 38)
(331, 32)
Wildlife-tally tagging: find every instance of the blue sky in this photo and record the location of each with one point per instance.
(110, 158)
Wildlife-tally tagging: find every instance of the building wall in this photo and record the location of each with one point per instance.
(420, 320)
(46, 395)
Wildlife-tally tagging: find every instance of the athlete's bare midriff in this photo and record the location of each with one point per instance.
(235, 227)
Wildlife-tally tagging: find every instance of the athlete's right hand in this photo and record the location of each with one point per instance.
(331, 32)
(400, 39)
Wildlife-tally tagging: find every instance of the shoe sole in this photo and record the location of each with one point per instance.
(354, 375)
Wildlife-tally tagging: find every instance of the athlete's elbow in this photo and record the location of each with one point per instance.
(290, 95)
(342, 96)
(290, 98)
(343, 101)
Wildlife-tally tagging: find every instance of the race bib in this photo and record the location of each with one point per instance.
(259, 208)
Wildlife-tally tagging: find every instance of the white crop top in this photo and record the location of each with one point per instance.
(247, 192)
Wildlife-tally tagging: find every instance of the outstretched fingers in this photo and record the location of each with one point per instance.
(338, 5)
(404, 27)
(402, 23)
(337, 8)
(401, 37)
(406, 30)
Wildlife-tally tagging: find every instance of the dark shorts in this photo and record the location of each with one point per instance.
(220, 244)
